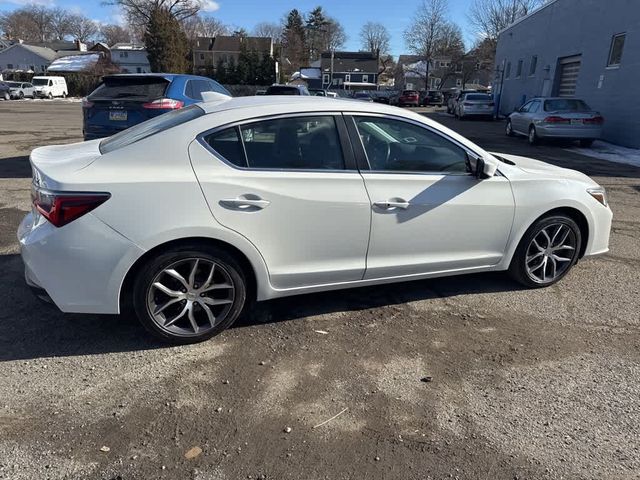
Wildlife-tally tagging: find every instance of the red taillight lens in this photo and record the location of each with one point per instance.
(60, 208)
(556, 119)
(164, 104)
(599, 120)
(86, 103)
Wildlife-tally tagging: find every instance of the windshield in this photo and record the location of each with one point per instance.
(40, 81)
(139, 88)
(566, 105)
(150, 127)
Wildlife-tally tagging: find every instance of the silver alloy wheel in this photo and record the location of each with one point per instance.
(550, 253)
(532, 135)
(509, 128)
(190, 296)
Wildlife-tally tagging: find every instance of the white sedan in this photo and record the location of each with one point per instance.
(192, 215)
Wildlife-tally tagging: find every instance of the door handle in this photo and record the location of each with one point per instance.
(391, 204)
(245, 203)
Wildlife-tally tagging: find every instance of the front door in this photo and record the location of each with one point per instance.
(429, 214)
(286, 186)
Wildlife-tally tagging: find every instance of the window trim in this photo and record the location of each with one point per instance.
(341, 128)
(361, 154)
(613, 39)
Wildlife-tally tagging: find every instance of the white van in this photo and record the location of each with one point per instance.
(49, 87)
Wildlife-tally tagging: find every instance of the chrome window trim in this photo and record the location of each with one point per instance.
(239, 123)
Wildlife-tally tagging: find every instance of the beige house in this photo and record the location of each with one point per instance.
(209, 51)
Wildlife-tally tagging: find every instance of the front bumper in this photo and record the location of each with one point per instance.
(80, 266)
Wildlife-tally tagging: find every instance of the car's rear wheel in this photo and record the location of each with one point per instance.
(21, 95)
(6, 96)
(189, 294)
(546, 252)
(533, 136)
(586, 143)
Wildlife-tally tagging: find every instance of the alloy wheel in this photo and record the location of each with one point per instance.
(550, 253)
(509, 128)
(190, 297)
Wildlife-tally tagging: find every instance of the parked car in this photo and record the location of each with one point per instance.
(432, 97)
(565, 118)
(262, 91)
(5, 90)
(452, 103)
(287, 90)
(474, 105)
(362, 96)
(124, 100)
(192, 215)
(382, 96)
(22, 90)
(410, 98)
(318, 92)
(49, 87)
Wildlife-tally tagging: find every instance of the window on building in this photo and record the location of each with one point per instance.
(615, 53)
(458, 68)
(347, 78)
(365, 78)
(202, 56)
(519, 69)
(10, 66)
(325, 78)
(458, 82)
(138, 70)
(124, 54)
(534, 65)
(507, 70)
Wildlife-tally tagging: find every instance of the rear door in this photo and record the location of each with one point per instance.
(289, 184)
(119, 102)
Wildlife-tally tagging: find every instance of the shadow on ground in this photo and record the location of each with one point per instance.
(34, 329)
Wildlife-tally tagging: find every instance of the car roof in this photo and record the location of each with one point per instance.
(166, 76)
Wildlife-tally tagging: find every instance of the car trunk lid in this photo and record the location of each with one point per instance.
(54, 167)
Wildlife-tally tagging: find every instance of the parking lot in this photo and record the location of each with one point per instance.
(463, 377)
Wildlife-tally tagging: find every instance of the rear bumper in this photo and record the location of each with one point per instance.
(578, 132)
(80, 266)
(484, 112)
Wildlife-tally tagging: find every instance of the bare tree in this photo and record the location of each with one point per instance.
(489, 17)
(139, 11)
(268, 29)
(203, 26)
(112, 34)
(19, 25)
(450, 42)
(40, 16)
(375, 38)
(60, 23)
(82, 28)
(424, 34)
(335, 35)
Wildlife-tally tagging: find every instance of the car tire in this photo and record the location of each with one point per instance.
(21, 95)
(50, 96)
(6, 96)
(586, 143)
(509, 129)
(524, 267)
(532, 137)
(195, 319)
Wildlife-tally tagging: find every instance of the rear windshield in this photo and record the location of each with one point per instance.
(410, 92)
(478, 96)
(146, 129)
(565, 105)
(13, 84)
(138, 88)
(282, 91)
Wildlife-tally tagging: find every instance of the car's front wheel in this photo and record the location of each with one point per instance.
(509, 129)
(189, 294)
(533, 136)
(546, 252)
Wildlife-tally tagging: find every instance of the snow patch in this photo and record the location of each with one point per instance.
(610, 152)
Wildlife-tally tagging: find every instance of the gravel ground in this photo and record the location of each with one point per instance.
(464, 377)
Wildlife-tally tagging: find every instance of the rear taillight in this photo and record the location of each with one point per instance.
(556, 119)
(164, 104)
(60, 208)
(599, 120)
(86, 103)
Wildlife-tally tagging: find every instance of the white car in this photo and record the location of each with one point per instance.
(49, 87)
(21, 90)
(190, 216)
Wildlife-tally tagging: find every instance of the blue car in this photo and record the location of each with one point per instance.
(122, 101)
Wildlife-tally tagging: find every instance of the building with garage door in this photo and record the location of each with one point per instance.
(589, 49)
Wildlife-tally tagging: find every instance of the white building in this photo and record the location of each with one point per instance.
(130, 58)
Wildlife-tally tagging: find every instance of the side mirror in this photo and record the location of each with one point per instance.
(479, 168)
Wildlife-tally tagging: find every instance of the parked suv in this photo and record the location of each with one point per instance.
(432, 97)
(409, 98)
(277, 89)
(124, 100)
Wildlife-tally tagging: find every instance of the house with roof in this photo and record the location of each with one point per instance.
(130, 57)
(26, 58)
(349, 70)
(90, 62)
(208, 52)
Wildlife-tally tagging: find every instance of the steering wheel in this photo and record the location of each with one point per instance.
(379, 152)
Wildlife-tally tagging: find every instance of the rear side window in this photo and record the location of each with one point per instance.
(410, 92)
(297, 143)
(196, 87)
(138, 88)
(146, 129)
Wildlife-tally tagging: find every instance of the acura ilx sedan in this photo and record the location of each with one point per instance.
(192, 215)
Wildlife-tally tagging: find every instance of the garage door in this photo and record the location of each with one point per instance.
(569, 70)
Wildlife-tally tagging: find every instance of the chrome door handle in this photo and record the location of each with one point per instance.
(391, 204)
(245, 203)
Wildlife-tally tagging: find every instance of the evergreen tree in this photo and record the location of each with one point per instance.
(232, 72)
(166, 43)
(293, 43)
(221, 72)
(316, 32)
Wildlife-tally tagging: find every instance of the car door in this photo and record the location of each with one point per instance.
(290, 186)
(519, 118)
(429, 214)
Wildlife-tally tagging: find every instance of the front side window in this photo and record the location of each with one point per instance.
(615, 53)
(296, 143)
(399, 146)
(525, 108)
